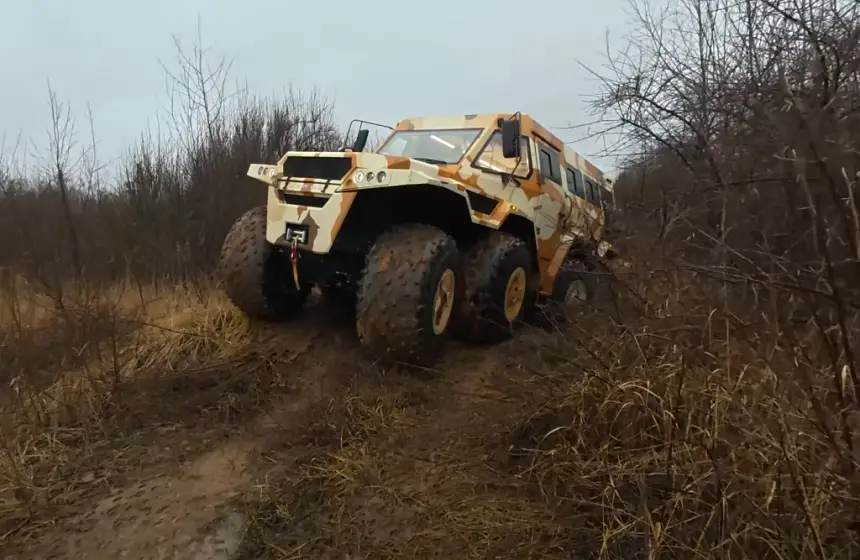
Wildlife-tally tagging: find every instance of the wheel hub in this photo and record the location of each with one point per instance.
(515, 293)
(576, 294)
(602, 249)
(443, 302)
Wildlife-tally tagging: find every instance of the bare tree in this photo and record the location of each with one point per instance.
(60, 164)
(197, 93)
(741, 197)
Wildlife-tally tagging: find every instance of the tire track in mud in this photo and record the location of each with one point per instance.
(194, 509)
(185, 509)
(398, 450)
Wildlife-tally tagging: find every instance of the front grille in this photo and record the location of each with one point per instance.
(303, 199)
(307, 167)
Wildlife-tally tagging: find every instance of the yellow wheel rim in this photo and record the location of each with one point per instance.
(443, 302)
(515, 294)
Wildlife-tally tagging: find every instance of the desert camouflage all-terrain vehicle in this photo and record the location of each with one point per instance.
(453, 226)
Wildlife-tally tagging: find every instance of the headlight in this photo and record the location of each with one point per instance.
(369, 176)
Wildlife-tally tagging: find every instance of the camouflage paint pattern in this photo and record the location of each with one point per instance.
(559, 218)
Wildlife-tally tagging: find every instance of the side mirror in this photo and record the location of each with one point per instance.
(360, 140)
(510, 138)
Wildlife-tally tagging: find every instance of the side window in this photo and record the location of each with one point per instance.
(574, 182)
(570, 178)
(491, 158)
(545, 161)
(550, 166)
(591, 193)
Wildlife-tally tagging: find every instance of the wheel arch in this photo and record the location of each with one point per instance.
(376, 210)
(523, 229)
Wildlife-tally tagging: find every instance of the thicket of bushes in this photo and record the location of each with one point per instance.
(76, 241)
(739, 206)
(175, 196)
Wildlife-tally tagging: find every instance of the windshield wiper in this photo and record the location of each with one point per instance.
(433, 161)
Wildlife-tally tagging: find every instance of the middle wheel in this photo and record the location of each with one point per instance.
(499, 288)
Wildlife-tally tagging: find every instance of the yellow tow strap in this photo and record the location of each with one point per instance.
(294, 259)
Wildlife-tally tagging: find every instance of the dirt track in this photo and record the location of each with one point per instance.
(302, 446)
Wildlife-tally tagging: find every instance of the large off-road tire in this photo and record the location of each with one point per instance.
(602, 279)
(500, 288)
(607, 289)
(409, 293)
(574, 288)
(256, 277)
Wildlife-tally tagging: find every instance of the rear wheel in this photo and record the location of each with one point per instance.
(603, 280)
(574, 288)
(409, 292)
(499, 288)
(255, 276)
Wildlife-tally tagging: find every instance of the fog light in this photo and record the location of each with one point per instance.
(369, 176)
(380, 177)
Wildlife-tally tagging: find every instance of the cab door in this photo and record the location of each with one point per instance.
(549, 205)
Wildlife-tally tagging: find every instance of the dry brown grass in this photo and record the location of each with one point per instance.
(117, 353)
(711, 412)
(76, 399)
(648, 437)
(606, 443)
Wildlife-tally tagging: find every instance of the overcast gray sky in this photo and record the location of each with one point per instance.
(381, 60)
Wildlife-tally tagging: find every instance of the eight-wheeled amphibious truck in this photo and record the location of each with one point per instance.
(453, 226)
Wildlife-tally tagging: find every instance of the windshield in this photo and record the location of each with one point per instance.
(441, 147)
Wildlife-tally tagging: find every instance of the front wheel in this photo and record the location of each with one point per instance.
(255, 276)
(411, 288)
